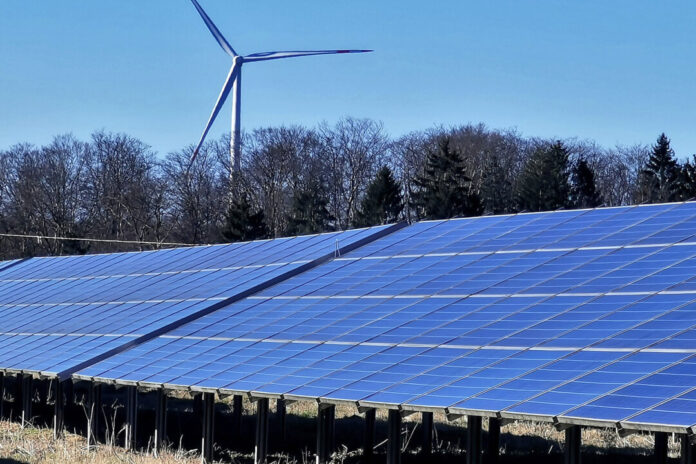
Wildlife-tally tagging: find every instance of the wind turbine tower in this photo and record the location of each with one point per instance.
(233, 83)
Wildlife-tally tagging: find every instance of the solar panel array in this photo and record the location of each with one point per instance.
(585, 316)
(59, 314)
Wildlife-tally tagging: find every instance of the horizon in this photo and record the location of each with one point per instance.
(604, 75)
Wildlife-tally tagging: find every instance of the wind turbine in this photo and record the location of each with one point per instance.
(234, 83)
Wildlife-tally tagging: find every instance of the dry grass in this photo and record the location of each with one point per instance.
(518, 437)
(521, 442)
(37, 445)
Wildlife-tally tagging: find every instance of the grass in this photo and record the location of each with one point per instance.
(37, 445)
(521, 442)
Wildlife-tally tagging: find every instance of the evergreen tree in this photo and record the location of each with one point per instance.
(309, 214)
(496, 188)
(444, 190)
(660, 176)
(584, 189)
(382, 202)
(544, 182)
(687, 179)
(241, 224)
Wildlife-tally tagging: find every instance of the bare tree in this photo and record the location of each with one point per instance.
(46, 192)
(197, 195)
(126, 192)
(353, 150)
(617, 174)
(277, 163)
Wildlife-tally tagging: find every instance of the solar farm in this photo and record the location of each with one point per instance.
(578, 318)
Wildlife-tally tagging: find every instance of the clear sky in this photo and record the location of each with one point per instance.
(617, 71)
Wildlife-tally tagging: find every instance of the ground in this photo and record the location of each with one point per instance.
(521, 442)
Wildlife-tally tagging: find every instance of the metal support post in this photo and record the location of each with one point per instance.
(207, 441)
(572, 444)
(660, 447)
(160, 419)
(2, 395)
(281, 413)
(394, 437)
(237, 409)
(473, 440)
(427, 423)
(325, 433)
(58, 409)
(94, 405)
(493, 444)
(369, 437)
(16, 412)
(131, 424)
(261, 449)
(27, 397)
(687, 451)
(69, 393)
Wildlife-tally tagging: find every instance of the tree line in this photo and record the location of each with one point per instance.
(298, 180)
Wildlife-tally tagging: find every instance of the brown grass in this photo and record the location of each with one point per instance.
(37, 445)
(521, 442)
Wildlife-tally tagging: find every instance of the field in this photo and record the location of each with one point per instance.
(520, 442)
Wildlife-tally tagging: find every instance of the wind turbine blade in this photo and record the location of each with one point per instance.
(234, 72)
(214, 30)
(263, 56)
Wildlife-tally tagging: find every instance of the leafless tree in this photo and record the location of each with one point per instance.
(46, 193)
(617, 173)
(277, 163)
(353, 150)
(125, 189)
(196, 196)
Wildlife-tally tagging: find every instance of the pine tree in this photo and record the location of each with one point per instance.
(444, 190)
(309, 214)
(382, 202)
(687, 179)
(496, 188)
(241, 224)
(544, 182)
(660, 176)
(584, 189)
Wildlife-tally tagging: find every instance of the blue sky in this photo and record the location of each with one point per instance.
(619, 72)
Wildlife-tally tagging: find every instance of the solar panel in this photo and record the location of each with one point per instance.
(551, 316)
(61, 313)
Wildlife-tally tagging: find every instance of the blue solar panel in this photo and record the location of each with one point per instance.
(59, 313)
(567, 314)
(667, 405)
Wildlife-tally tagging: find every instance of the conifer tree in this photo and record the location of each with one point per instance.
(544, 183)
(443, 189)
(660, 176)
(687, 179)
(382, 202)
(584, 189)
(309, 214)
(241, 223)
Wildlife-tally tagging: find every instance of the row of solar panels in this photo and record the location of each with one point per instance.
(584, 316)
(60, 314)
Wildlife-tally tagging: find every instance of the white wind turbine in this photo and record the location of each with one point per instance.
(234, 83)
